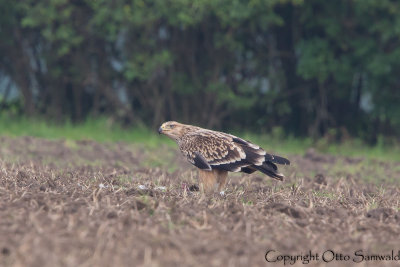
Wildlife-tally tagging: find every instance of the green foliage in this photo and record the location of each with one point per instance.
(316, 60)
(305, 66)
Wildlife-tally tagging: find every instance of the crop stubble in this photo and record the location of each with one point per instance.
(82, 203)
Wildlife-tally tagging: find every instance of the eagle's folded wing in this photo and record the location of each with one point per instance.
(268, 157)
(212, 150)
(209, 149)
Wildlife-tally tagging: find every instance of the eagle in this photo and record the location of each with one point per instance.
(216, 153)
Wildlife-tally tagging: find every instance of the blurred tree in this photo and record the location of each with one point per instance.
(307, 66)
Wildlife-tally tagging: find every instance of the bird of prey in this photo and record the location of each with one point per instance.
(215, 153)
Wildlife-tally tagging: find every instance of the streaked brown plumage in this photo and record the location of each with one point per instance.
(216, 153)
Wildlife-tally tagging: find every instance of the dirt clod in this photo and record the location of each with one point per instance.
(288, 210)
(320, 179)
(5, 251)
(194, 188)
(380, 213)
(112, 215)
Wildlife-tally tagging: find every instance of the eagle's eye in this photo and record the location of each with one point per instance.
(171, 126)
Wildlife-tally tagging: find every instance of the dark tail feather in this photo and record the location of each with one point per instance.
(277, 159)
(269, 170)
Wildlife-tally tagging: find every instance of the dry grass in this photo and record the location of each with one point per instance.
(88, 204)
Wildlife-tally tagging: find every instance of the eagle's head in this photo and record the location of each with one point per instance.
(175, 130)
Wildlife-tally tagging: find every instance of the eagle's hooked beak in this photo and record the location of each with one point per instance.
(160, 130)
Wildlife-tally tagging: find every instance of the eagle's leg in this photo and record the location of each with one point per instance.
(207, 180)
(221, 179)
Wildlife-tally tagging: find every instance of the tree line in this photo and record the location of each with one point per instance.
(309, 67)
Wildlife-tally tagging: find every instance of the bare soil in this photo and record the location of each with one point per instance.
(65, 203)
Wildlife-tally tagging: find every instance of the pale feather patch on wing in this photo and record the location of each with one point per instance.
(234, 154)
(260, 151)
(217, 149)
(252, 156)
